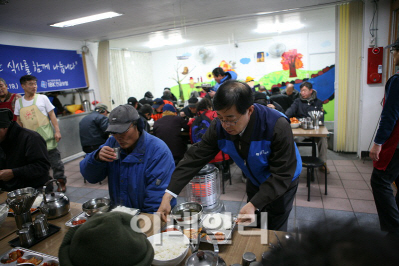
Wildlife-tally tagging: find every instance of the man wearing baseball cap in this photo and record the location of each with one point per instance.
(140, 171)
(385, 154)
(92, 128)
(157, 105)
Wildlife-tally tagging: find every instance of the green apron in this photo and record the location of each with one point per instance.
(33, 119)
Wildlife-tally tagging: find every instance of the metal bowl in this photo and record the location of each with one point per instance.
(22, 192)
(98, 205)
(187, 212)
(172, 236)
(295, 125)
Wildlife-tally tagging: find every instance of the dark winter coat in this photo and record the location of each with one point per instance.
(168, 128)
(301, 106)
(24, 152)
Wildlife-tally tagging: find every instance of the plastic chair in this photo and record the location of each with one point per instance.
(311, 163)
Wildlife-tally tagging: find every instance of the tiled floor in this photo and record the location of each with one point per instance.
(349, 192)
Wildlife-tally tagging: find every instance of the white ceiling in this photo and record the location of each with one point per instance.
(236, 31)
(201, 21)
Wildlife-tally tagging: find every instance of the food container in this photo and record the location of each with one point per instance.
(27, 254)
(171, 228)
(187, 212)
(72, 108)
(295, 125)
(77, 220)
(168, 243)
(98, 205)
(217, 231)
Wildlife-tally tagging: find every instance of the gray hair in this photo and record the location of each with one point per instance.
(2, 80)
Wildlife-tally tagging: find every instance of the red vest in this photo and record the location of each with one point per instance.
(8, 104)
(388, 148)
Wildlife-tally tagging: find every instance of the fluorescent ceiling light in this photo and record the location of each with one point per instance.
(157, 39)
(87, 19)
(279, 27)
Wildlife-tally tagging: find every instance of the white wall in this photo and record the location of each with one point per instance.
(371, 95)
(17, 39)
(313, 46)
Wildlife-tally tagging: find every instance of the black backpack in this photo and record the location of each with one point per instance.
(199, 127)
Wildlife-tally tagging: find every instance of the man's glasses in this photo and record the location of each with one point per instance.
(229, 123)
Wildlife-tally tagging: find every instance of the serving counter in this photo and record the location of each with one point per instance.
(69, 145)
(231, 253)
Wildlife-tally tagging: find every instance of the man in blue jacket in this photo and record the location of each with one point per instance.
(259, 140)
(220, 76)
(140, 173)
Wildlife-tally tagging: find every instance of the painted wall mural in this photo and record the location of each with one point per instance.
(291, 60)
(322, 81)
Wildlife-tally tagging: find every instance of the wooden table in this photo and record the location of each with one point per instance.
(231, 253)
(320, 132)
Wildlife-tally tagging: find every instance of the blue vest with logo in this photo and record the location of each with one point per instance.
(256, 167)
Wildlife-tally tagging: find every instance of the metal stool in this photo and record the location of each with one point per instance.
(311, 163)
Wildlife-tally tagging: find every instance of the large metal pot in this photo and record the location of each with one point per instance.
(55, 204)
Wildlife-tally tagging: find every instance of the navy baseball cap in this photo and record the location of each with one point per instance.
(157, 102)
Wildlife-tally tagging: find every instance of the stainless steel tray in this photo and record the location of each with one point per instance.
(75, 218)
(28, 252)
(228, 233)
(83, 215)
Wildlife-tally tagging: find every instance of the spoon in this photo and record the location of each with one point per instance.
(278, 240)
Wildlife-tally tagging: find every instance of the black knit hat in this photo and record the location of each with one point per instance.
(148, 94)
(6, 117)
(259, 95)
(106, 239)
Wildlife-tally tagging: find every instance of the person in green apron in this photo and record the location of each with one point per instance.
(33, 112)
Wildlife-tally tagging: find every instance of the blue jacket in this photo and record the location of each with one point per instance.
(138, 179)
(256, 168)
(229, 75)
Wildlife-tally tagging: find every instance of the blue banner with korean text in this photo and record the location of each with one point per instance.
(54, 69)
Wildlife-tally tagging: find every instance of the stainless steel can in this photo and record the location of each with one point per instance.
(117, 151)
(25, 237)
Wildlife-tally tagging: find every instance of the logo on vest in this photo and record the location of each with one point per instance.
(262, 152)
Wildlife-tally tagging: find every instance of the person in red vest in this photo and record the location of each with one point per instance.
(7, 99)
(385, 154)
